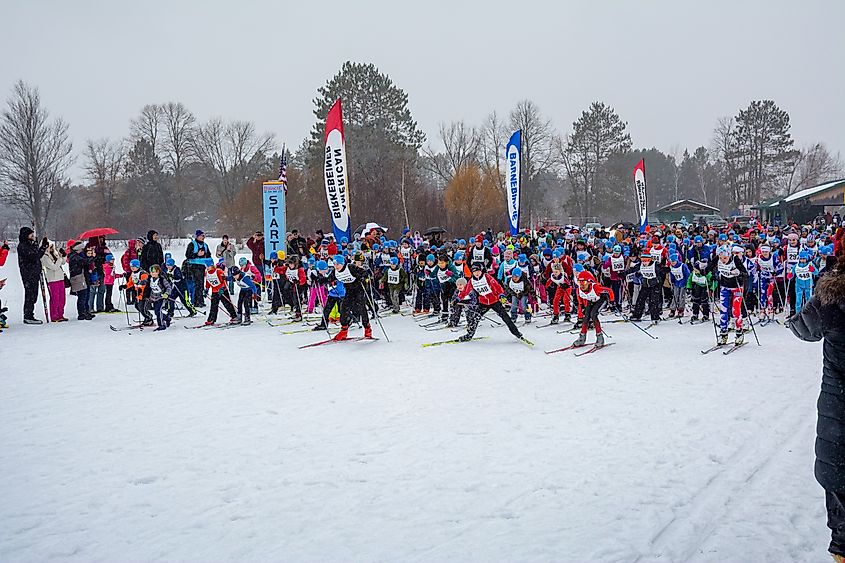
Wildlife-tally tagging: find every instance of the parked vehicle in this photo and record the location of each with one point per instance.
(711, 220)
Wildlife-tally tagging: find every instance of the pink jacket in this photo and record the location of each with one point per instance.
(108, 274)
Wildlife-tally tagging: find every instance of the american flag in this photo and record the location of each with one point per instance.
(283, 169)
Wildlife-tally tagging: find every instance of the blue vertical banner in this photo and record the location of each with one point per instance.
(513, 161)
(274, 217)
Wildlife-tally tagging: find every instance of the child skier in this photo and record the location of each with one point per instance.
(489, 294)
(769, 267)
(135, 286)
(446, 274)
(592, 297)
(698, 283)
(353, 278)
(157, 292)
(109, 276)
(518, 288)
(395, 281)
(295, 280)
(803, 273)
(316, 288)
(336, 291)
(678, 277)
(731, 276)
(215, 280)
(651, 288)
(457, 305)
(179, 288)
(246, 289)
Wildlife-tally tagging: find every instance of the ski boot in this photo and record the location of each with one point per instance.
(723, 338)
(528, 320)
(343, 334)
(208, 323)
(580, 341)
(240, 319)
(368, 332)
(693, 319)
(567, 318)
(555, 320)
(599, 340)
(740, 338)
(318, 328)
(579, 323)
(147, 322)
(247, 321)
(671, 314)
(235, 321)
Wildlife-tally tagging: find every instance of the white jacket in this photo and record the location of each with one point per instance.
(53, 270)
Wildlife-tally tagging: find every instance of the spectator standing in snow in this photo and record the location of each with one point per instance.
(29, 263)
(824, 318)
(54, 274)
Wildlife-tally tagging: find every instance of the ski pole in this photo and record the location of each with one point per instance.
(713, 311)
(325, 319)
(641, 329)
(751, 322)
(378, 319)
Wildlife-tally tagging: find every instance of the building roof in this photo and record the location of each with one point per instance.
(684, 203)
(802, 194)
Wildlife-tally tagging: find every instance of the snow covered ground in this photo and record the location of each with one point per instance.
(235, 445)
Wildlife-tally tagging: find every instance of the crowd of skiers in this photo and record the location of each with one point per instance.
(569, 274)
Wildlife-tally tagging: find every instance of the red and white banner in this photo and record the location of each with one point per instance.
(334, 173)
(642, 195)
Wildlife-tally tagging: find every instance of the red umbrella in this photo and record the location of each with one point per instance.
(99, 231)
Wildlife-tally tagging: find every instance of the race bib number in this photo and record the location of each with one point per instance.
(443, 276)
(393, 276)
(766, 266)
(803, 273)
(477, 255)
(677, 272)
(698, 279)
(617, 264)
(792, 254)
(292, 275)
(728, 270)
(406, 253)
(481, 286)
(345, 276)
(155, 287)
(136, 278)
(212, 280)
(516, 287)
(648, 272)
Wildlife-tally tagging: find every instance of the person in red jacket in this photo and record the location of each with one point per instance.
(296, 281)
(215, 280)
(489, 294)
(592, 297)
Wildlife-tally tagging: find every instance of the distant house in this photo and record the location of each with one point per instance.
(681, 209)
(803, 206)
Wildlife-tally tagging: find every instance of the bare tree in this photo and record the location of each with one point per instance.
(35, 153)
(461, 144)
(234, 151)
(723, 149)
(104, 160)
(179, 151)
(814, 164)
(538, 152)
(493, 135)
(147, 126)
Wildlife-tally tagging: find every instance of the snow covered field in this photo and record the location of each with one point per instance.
(235, 445)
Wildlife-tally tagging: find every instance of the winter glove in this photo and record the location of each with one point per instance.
(121, 287)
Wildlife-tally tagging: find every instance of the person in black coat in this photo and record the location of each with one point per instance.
(824, 318)
(29, 262)
(152, 253)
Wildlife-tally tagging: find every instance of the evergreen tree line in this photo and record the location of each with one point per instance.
(174, 173)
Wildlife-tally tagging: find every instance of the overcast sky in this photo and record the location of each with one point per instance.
(670, 68)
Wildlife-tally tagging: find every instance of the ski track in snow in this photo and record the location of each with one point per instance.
(232, 444)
